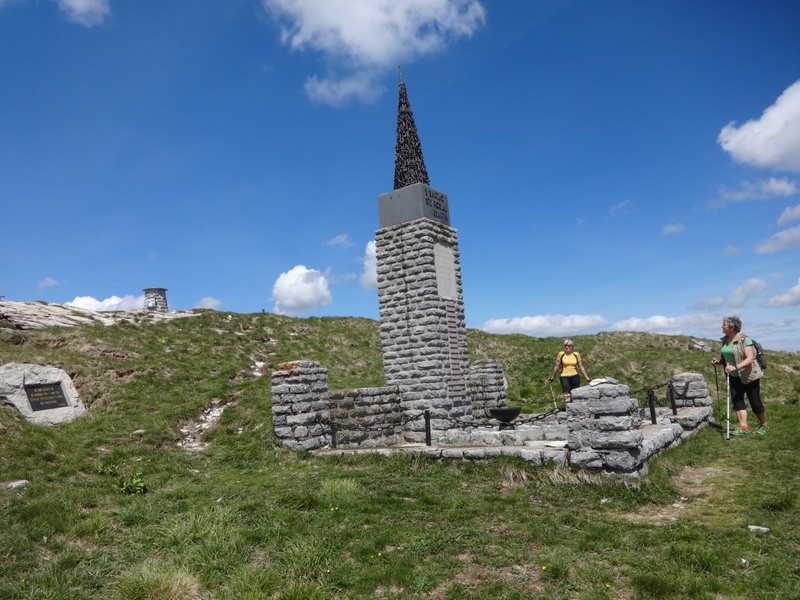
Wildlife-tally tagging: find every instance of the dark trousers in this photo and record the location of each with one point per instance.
(753, 392)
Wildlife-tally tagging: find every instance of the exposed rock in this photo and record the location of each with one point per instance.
(37, 315)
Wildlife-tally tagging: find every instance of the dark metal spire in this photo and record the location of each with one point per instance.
(409, 166)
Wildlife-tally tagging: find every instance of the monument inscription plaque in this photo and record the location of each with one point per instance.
(45, 396)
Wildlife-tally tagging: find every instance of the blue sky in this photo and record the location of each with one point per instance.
(610, 166)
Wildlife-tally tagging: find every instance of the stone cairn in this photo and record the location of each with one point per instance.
(155, 300)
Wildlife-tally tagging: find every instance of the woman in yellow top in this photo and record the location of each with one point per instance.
(570, 363)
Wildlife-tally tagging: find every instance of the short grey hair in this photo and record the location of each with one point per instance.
(733, 322)
(569, 343)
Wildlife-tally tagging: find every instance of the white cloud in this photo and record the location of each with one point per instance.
(771, 141)
(789, 214)
(299, 290)
(369, 278)
(47, 282)
(85, 12)
(761, 189)
(624, 207)
(731, 250)
(546, 325)
(361, 40)
(679, 325)
(112, 303)
(790, 298)
(741, 294)
(707, 302)
(338, 279)
(674, 228)
(338, 92)
(208, 302)
(342, 240)
(780, 241)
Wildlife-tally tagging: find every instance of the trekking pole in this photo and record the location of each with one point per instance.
(728, 408)
(716, 381)
(553, 394)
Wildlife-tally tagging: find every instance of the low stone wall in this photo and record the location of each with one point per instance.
(602, 428)
(366, 417)
(690, 389)
(608, 429)
(307, 415)
(487, 387)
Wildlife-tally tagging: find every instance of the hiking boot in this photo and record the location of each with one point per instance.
(762, 430)
(741, 431)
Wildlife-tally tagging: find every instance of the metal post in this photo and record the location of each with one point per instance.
(671, 393)
(651, 400)
(728, 408)
(427, 428)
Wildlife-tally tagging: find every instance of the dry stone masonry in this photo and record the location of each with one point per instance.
(155, 300)
(432, 394)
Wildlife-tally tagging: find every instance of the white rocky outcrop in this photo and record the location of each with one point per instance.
(37, 315)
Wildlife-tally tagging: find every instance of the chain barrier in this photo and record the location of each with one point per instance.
(652, 400)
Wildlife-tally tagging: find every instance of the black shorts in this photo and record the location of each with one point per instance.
(570, 383)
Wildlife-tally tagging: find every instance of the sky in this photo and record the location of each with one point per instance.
(610, 166)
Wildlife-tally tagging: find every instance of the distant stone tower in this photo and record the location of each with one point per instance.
(422, 326)
(155, 299)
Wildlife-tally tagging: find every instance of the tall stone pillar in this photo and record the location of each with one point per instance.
(422, 326)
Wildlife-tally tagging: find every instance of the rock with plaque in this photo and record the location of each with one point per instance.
(43, 395)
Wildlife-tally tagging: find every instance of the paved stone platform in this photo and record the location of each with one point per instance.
(532, 443)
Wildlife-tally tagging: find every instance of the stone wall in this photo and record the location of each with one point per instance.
(487, 388)
(307, 415)
(608, 430)
(301, 408)
(690, 389)
(604, 428)
(366, 417)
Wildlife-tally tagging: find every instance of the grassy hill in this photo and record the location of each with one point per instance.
(114, 508)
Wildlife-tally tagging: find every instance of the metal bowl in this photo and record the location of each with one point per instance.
(505, 414)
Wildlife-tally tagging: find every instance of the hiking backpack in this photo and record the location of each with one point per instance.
(760, 358)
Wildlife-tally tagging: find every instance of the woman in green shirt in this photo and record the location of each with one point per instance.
(744, 374)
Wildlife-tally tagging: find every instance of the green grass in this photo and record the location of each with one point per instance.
(114, 509)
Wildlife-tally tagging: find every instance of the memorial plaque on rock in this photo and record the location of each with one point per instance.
(45, 396)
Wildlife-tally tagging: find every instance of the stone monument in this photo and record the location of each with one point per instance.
(43, 395)
(155, 300)
(422, 325)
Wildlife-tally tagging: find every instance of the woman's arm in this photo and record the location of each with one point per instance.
(556, 367)
(580, 366)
